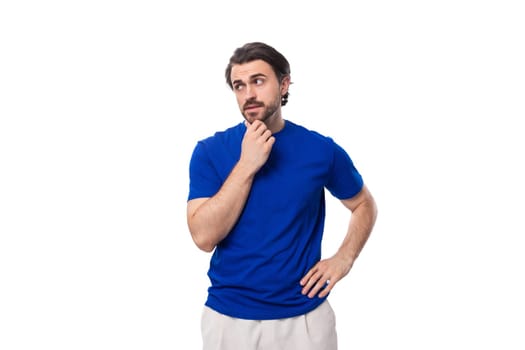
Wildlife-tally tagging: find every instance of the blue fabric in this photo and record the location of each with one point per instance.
(255, 271)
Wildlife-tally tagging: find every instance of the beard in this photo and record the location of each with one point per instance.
(267, 112)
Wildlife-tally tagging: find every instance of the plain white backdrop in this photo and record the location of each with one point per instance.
(101, 103)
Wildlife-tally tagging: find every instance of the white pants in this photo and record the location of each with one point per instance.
(314, 330)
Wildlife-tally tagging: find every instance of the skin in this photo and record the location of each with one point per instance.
(258, 93)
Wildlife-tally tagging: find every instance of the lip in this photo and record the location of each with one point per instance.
(251, 107)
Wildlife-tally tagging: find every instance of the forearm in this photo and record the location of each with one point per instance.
(359, 229)
(213, 219)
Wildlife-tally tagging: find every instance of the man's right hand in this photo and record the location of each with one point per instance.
(256, 145)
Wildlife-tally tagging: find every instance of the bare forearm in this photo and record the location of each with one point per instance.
(333, 269)
(213, 219)
(359, 229)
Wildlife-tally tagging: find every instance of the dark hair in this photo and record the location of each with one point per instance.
(260, 51)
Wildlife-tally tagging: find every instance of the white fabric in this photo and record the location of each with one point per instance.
(315, 330)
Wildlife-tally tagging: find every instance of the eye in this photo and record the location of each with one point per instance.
(238, 87)
(259, 81)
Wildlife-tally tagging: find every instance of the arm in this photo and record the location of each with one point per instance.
(211, 219)
(331, 270)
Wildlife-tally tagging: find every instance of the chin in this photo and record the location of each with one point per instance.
(252, 118)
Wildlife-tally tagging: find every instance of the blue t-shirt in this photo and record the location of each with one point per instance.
(255, 271)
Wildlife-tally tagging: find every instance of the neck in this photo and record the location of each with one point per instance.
(275, 123)
(276, 126)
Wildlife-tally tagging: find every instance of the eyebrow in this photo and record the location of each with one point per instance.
(254, 76)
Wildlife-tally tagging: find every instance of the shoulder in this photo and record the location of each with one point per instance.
(221, 149)
(223, 136)
(309, 136)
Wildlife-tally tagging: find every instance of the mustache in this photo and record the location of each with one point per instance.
(250, 104)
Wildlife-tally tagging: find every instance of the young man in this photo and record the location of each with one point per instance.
(257, 200)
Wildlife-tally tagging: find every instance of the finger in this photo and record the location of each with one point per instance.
(316, 288)
(256, 124)
(266, 135)
(310, 283)
(250, 127)
(328, 287)
(321, 288)
(306, 277)
(261, 129)
(271, 141)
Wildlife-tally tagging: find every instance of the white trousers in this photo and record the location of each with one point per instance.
(315, 330)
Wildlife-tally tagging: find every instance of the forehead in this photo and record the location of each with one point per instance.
(244, 71)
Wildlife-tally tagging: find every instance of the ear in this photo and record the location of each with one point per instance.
(285, 84)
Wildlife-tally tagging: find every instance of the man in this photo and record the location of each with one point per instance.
(257, 200)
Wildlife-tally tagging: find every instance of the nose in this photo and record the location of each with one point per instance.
(249, 92)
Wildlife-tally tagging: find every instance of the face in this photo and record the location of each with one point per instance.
(258, 91)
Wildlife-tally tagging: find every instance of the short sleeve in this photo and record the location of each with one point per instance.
(204, 180)
(344, 180)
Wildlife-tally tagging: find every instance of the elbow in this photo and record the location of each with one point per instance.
(208, 248)
(202, 238)
(373, 211)
(371, 204)
(203, 243)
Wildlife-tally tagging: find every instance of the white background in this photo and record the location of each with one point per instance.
(101, 103)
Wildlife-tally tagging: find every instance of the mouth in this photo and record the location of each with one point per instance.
(252, 106)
